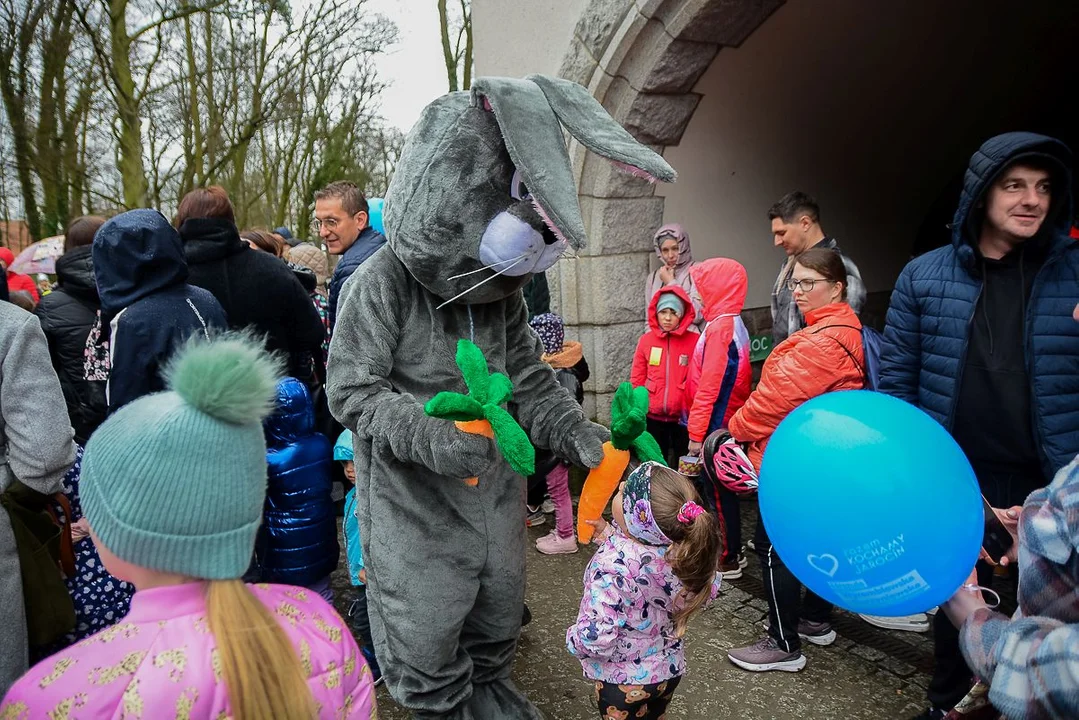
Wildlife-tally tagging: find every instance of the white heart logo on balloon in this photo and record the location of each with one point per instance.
(826, 563)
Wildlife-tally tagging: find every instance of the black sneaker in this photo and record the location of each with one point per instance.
(526, 616)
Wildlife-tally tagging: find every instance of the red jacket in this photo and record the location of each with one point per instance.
(17, 281)
(661, 362)
(809, 363)
(720, 375)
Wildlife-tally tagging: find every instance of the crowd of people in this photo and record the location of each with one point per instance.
(191, 355)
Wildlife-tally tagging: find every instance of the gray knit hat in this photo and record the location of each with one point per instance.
(176, 481)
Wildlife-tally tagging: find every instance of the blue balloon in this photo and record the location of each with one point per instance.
(871, 503)
(374, 213)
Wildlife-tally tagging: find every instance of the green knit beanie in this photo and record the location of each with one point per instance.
(176, 481)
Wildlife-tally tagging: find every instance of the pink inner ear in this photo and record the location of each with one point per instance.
(547, 221)
(487, 104)
(634, 171)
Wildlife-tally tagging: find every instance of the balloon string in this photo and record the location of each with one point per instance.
(976, 588)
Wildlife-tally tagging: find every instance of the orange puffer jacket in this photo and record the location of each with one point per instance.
(809, 363)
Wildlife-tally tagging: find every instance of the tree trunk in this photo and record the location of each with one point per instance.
(129, 138)
(447, 52)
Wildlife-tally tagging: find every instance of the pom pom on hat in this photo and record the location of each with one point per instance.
(231, 379)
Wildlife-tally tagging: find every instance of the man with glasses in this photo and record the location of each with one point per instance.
(341, 220)
(796, 228)
(980, 336)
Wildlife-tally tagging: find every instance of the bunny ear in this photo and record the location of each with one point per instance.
(590, 124)
(533, 138)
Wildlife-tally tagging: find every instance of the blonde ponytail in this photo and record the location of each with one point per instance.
(263, 674)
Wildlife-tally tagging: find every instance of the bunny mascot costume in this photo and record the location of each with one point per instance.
(482, 197)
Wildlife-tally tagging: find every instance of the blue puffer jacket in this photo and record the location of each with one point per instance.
(934, 300)
(297, 543)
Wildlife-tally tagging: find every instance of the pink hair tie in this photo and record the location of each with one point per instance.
(689, 512)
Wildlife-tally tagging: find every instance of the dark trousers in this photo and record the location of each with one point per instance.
(673, 439)
(784, 593)
(637, 702)
(361, 627)
(951, 679)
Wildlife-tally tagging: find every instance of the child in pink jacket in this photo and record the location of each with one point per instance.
(173, 486)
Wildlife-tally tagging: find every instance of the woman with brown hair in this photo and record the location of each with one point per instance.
(264, 241)
(824, 356)
(256, 289)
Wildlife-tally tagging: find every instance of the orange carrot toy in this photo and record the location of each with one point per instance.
(629, 409)
(480, 412)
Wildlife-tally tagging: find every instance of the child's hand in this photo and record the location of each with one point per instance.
(80, 529)
(363, 576)
(600, 526)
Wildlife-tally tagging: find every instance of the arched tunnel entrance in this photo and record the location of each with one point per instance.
(873, 108)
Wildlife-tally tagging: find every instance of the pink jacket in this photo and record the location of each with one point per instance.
(159, 661)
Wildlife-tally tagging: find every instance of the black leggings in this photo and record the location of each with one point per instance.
(640, 702)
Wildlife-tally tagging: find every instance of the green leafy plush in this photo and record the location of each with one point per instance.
(629, 413)
(487, 392)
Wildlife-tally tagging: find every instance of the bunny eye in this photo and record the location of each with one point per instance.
(518, 191)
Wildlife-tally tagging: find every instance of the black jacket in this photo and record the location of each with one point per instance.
(66, 315)
(257, 290)
(146, 301)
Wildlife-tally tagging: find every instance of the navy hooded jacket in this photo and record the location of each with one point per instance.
(297, 543)
(141, 279)
(365, 246)
(934, 301)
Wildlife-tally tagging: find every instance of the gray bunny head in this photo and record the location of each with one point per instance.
(483, 194)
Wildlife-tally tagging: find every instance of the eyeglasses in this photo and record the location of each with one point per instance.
(805, 286)
(329, 223)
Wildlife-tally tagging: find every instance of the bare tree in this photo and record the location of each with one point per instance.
(458, 54)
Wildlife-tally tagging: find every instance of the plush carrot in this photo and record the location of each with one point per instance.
(629, 409)
(480, 412)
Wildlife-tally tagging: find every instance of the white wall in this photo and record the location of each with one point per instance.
(514, 38)
(872, 107)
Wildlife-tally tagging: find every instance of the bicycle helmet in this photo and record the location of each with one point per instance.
(727, 464)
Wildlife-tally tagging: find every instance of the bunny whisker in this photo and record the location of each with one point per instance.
(481, 282)
(492, 266)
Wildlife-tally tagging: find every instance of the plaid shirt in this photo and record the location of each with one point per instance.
(1031, 661)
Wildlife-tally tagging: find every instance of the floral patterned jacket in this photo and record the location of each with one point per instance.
(625, 628)
(161, 662)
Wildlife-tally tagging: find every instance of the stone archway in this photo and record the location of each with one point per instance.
(641, 60)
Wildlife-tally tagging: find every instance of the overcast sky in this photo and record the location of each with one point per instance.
(414, 66)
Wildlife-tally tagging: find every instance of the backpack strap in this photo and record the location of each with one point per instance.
(857, 364)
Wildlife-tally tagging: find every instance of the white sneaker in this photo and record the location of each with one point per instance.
(547, 506)
(918, 622)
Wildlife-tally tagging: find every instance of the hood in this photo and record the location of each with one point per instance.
(136, 254)
(75, 273)
(687, 318)
(293, 416)
(722, 284)
(987, 163)
(685, 253)
(7, 257)
(210, 239)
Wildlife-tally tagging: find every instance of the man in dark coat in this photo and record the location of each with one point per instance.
(341, 220)
(980, 335)
(151, 310)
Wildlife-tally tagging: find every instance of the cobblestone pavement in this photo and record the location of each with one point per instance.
(868, 673)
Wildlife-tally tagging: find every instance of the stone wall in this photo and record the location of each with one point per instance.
(640, 59)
